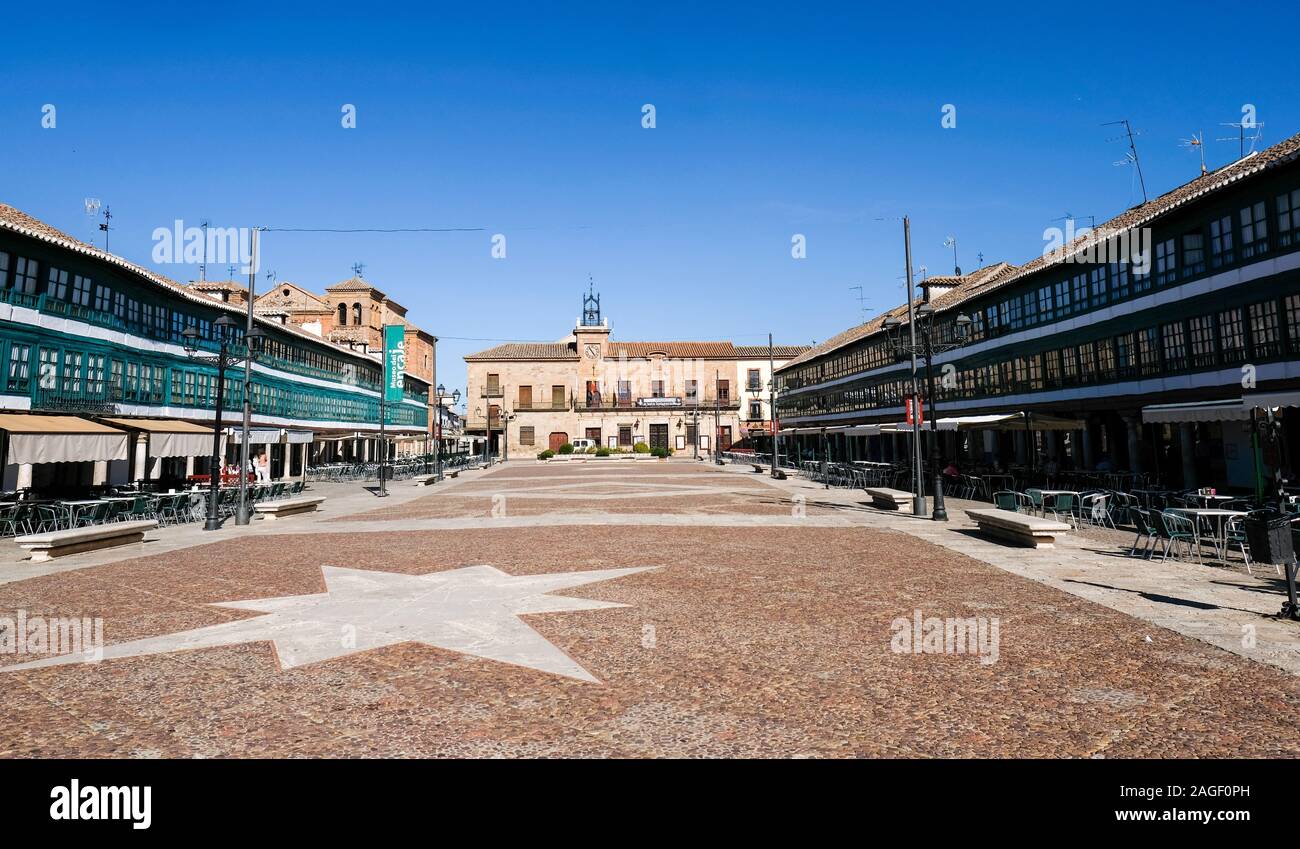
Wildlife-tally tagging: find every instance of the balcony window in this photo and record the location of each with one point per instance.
(756, 409)
(1175, 346)
(19, 379)
(1193, 254)
(1063, 298)
(81, 290)
(624, 393)
(1288, 218)
(1293, 322)
(1201, 332)
(1221, 250)
(25, 275)
(724, 391)
(1119, 279)
(692, 391)
(1254, 230)
(656, 389)
(57, 284)
(1166, 262)
(1097, 281)
(4, 269)
(755, 380)
(1265, 332)
(1232, 336)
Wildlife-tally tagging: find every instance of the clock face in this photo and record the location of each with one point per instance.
(593, 351)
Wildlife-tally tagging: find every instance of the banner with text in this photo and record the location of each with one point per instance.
(394, 362)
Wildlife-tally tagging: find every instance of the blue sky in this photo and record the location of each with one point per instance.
(771, 120)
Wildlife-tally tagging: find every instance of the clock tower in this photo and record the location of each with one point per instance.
(591, 335)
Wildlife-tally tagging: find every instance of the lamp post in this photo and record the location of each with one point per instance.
(776, 446)
(223, 332)
(437, 427)
(924, 345)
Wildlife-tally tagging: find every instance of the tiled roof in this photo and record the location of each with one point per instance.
(779, 352)
(974, 281)
(528, 351)
(352, 284)
(17, 221)
(677, 350)
(997, 276)
(216, 286)
(635, 350)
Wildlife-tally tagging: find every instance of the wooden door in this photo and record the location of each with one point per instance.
(525, 398)
(658, 436)
(558, 439)
(724, 438)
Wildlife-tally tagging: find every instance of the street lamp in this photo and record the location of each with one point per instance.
(437, 427)
(925, 345)
(223, 334)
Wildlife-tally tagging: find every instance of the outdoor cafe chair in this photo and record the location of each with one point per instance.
(1234, 533)
(1179, 528)
(96, 515)
(1064, 504)
(9, 521)
(48, 518)
(1147, 533)
(1096, 510)
(1005, 499)
(1036, 499)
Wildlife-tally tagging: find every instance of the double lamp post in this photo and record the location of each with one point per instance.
(921, 342)
(228, 353)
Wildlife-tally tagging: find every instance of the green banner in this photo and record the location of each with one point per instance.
(394, 361)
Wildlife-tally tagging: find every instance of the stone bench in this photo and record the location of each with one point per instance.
(272, 510)
(50, 544)
(1018, 528)
(890, 499)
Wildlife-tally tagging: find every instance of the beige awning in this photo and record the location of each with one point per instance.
(171, 437)
(1001, 421)
(1232, 410)
(60, 439)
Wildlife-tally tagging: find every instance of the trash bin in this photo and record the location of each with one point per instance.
(1269, 535)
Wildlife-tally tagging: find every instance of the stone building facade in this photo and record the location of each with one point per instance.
(682, 396)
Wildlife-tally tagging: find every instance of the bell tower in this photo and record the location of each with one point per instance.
(591, 335)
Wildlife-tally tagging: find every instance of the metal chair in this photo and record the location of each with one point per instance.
(1146, 530)
(1179, 528)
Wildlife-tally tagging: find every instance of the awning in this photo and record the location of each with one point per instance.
(1232, 410)
(256, 435)
(171, 437)
(1270, 399)
(298, 437)
(61, 439)
(1001, 421)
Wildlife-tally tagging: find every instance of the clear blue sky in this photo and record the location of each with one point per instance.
(771, 120)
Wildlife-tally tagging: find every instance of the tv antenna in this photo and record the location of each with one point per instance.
(1242, 126)
(951, 242)
(862, 306)
(1132, 155)
(270, 278)
(980, 257)
(230, 269)
(358, 269)
(1069, 216)
(203, 266)
(1197, 143)
(108, 216)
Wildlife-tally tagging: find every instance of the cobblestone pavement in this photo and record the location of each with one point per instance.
(788, 631)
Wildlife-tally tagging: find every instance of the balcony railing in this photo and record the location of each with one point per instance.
(86, 398)
(656, 402)
(542, 407)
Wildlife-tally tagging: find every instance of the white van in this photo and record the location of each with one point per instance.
(583, 444)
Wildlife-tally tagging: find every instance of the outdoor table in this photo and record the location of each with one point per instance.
(1207, 500)
(75, 508)
(1218, 524)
